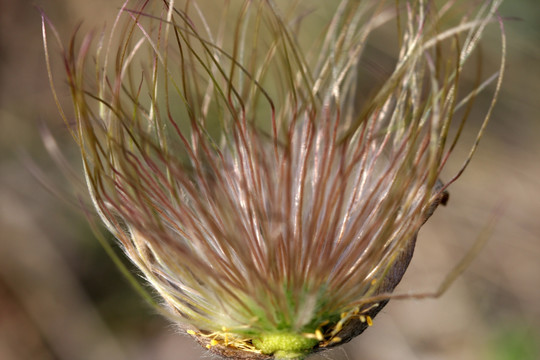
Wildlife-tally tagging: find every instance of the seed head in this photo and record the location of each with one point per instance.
(267, 193)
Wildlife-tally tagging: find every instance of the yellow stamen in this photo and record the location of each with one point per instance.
(369, 320)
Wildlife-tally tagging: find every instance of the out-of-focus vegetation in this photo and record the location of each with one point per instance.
(62, 298)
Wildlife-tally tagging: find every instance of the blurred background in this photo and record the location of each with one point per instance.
(62, 298)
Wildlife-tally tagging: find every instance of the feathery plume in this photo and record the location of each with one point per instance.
(270, 202)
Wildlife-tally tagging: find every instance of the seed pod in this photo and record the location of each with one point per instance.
(271, 210)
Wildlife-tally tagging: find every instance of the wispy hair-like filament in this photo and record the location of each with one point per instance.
(243, 171)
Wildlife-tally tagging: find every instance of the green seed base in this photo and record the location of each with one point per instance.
(285, 345)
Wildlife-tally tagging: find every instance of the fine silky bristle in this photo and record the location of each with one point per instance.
(231, 153)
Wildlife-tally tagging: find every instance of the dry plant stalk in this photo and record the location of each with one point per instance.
(271, 205)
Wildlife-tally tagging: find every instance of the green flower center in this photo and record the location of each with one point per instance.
(285, 345)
